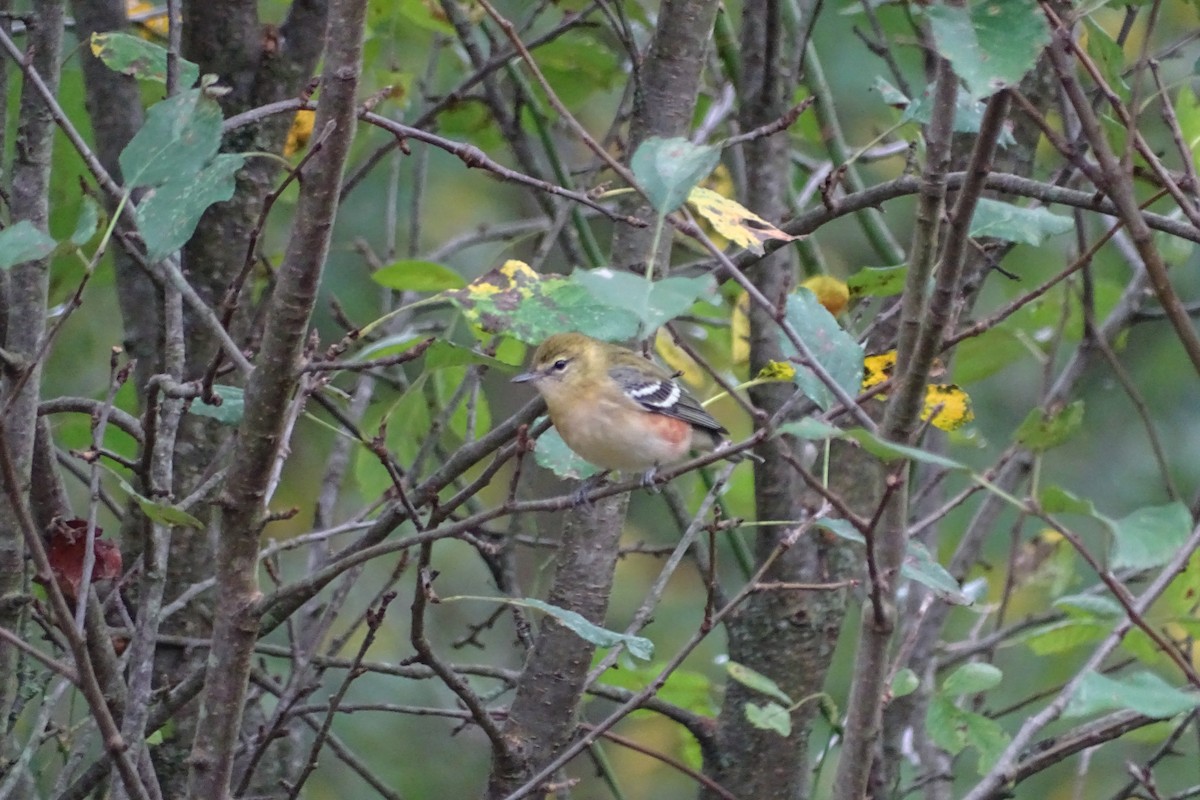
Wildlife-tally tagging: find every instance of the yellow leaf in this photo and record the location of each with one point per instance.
(948, 405)
(300, 133)
(776, 371)
(512, 275)
(1050, 536)
(720, 180)
(830, 292)
(735, 222)
(156, 24)
(675, 358)
(739, 330)
(878, 368)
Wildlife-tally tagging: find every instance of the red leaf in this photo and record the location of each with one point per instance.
(68, 544)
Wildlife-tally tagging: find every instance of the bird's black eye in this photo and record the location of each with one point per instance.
(560, 365)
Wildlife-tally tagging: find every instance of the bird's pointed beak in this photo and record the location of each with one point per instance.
(525, 377)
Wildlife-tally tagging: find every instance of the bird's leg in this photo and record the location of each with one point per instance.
(579, 497)
(648, 478)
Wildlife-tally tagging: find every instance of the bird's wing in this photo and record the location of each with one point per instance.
(664, 396)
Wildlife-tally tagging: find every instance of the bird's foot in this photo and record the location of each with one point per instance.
(648, 480)
(579, 497)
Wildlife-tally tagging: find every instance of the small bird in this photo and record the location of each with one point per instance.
(617, 409)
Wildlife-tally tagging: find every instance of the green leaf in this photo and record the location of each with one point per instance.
(669, 168)
(169, 214)
(831, 346)
(167, 514)
(968, 111)
(88, 222)
(175, 156)
(1143, 692)
(752, 679)
(132, 55)
(841, 528)
(984, 355)
(442, 355)
(421, 15)
(637, 646)
(552, 453)
(472, 415)
(987, 737)
(1016, 224)
(1065, 635)
(1108, 56)
(877, 281)
(1187, 112)
(652, 302)
(578, 65)
(229, 412)
(684, 688)
(162, 513)
(971, 678)
(890, 94)
(890, 451)
(945, 724)
(1150, 537)
(575, 309)
(391, 346)
(905, 683)
(920, 566)
(811, 428)
(524, 305)
(404, 424)
(814, 429)
(21, 242)
(1090, 605)
(954, 729)
(1040, 432)
(1147, 651)
(991, 44)
(1056, 500)
(179, 137)
(418, 276)
(771, 717)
